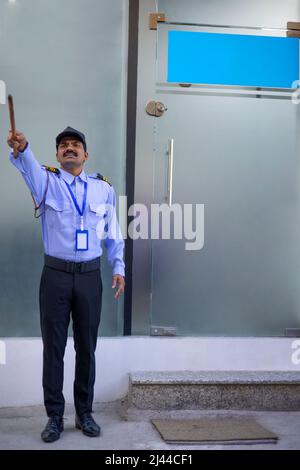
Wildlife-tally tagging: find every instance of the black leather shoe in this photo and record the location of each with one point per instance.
(53, 429)
(87, 425)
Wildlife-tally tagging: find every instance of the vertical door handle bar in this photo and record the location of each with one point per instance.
(170, 170)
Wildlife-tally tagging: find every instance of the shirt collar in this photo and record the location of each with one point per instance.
(70, 178)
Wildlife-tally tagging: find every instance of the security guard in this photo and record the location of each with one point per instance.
(76, 211)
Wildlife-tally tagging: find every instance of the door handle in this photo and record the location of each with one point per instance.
(170, 170)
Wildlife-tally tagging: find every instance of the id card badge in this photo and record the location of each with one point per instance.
(82, 240)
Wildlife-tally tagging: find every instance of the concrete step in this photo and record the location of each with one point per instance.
(214, 390)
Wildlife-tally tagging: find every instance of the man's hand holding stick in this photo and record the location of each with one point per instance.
(15, 140)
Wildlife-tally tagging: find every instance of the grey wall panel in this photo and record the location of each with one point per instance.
(65, 63)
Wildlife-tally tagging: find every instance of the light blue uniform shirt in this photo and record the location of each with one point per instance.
(60, 219)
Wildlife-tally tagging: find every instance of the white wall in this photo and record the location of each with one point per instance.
(21, 376)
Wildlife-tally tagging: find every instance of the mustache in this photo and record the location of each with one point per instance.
(68, 153)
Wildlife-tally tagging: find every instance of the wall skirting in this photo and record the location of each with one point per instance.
(20, 376)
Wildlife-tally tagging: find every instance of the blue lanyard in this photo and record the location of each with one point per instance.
(80, 212)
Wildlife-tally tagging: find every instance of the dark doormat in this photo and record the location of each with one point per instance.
(213, 431)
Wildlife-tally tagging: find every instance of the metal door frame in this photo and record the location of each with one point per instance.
(143, 173)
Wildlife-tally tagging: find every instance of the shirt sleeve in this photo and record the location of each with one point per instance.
(34, 175)
(113, 241)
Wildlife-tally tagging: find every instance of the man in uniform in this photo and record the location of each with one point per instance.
(69, 201)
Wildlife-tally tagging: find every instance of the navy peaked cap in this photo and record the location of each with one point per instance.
(70, 132)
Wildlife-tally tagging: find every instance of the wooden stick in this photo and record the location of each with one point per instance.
(12, 120)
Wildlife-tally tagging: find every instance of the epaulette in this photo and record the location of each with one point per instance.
(52, 169)
(103, 178)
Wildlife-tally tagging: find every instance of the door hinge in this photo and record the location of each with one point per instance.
(155, 18)
(163, 331)
(292, 332)
(293, 29)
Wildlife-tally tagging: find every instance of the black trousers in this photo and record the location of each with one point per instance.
(64, 294)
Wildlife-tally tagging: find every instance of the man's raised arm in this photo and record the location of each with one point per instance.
(32, 172)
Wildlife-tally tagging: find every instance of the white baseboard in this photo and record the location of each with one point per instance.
(21, 375)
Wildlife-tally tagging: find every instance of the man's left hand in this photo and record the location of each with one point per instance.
(118, 281)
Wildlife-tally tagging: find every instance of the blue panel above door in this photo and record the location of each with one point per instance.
(232, 59)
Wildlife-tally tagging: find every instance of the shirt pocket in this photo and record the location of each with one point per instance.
(96, 218)
(58, 213)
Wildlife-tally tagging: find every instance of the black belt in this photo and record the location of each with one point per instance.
(72, 266)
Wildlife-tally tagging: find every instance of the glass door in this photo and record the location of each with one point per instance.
(226, 163)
